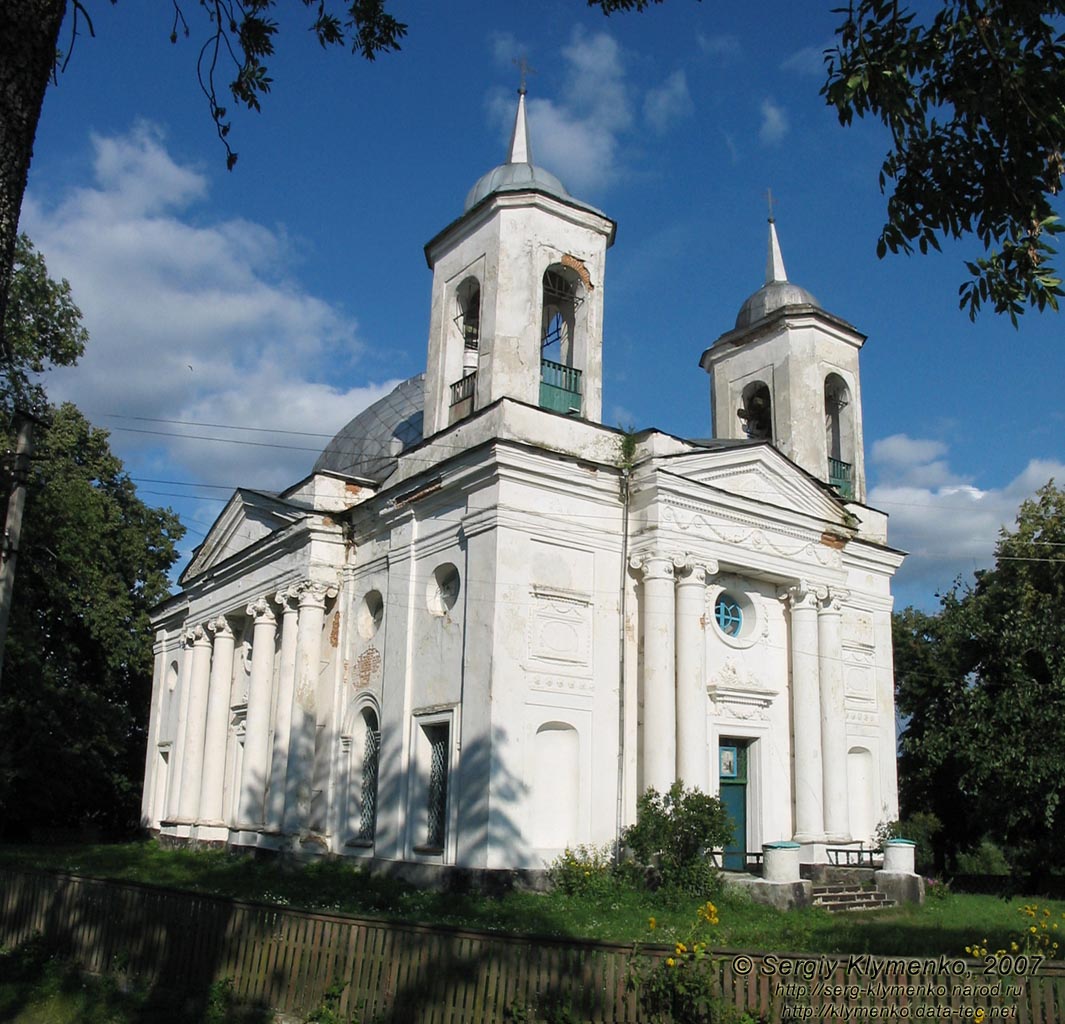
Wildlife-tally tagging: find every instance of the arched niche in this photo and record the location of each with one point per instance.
(839, 434)
(861, 793)
(555, 785)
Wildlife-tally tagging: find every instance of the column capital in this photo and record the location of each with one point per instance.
(220, 627)
(655, 565)
(804, 594)
(260, 611)
(196, 636)
(288, 599)
(831, 603)
(691, 570)
(313, 594)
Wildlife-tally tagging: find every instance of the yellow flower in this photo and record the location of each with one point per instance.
(652, 923)
(1014, 947)
(979, 1015)
(681, 948)
(1032, 929)
(670, 962)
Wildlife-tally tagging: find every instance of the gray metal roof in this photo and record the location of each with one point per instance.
(368, 446)
(771, 297)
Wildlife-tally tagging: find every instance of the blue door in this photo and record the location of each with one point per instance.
(732, 762)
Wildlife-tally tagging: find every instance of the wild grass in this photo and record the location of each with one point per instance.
(614, 914)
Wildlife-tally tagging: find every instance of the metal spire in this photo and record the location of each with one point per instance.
(774, 264)
(520, 150)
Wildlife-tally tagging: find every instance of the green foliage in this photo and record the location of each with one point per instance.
(920, 828)
(78, 662)
(42, 328)
(583, 871)
(972, 98)
(328, 1010)
(676, 832)
(983, 686)
(220, 999)
(241, 38)
(986, 859)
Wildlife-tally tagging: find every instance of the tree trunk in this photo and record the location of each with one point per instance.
(29, 34)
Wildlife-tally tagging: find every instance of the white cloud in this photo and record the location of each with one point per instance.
(774, 122)
(667, 103)
(810, 60)
(948, 525)
(724, 47)
(577, 137)
(191, 320)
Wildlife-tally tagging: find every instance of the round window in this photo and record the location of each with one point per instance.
(728, 614)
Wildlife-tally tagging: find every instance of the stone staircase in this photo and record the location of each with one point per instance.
(839, 898)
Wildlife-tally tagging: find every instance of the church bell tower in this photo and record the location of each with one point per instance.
(787, 373)
(517, 304)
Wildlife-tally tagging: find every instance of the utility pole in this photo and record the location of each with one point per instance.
(24, 423)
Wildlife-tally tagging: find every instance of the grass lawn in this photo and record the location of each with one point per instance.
(944, 926)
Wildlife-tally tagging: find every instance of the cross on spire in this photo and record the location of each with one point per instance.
(769, 200)
(522, 64)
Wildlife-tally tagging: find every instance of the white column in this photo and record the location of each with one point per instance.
(806, 716)
(286, 690)
(173, 797)
(659, 688)
(214, 746)
(256, 765)
(693, 764)
(312, 598)
(833, 716)
(192, 764)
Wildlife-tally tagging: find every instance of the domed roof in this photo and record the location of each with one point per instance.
(368, 446)
(510, 177)
(777, 292)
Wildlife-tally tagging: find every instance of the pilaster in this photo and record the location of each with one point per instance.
(833, 715)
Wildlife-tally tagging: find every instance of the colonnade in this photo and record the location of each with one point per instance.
(277, 763)
(675, 740)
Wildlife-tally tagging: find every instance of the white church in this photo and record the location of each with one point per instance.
(486, 622)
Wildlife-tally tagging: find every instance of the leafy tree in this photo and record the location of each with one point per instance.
(973, 99)
(239, 38)
(44, 329)
(74, 708)
(984, 685)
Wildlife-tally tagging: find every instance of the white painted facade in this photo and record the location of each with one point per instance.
(482, 627)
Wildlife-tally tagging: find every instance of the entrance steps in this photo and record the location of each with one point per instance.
(840, 898)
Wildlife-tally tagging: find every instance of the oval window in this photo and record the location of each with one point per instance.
(728, 615)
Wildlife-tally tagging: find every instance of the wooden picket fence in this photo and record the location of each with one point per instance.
(177, 945)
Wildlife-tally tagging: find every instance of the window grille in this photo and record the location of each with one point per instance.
(437, 817)
(368, 815)
(729, 615)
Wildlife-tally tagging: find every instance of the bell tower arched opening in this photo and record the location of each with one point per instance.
(560, 326)
(756, 411)
(839, 435)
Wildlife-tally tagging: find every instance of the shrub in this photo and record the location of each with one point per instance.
(676, 831)
(921, 828)
(582, 871)
(986, 859)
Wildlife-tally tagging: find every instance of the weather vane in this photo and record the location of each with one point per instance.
(523, 65)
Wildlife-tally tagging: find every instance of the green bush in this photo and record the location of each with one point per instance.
(676, 833)
(986, 859)
(920, 828)
(582, 871)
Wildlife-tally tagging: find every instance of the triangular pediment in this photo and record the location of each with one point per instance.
(761, 474)
(248, 517)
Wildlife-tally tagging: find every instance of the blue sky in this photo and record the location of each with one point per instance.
(288, 294)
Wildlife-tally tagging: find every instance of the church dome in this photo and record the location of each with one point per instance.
(770, 297)
(368, 446)
(777, 292)
(510, 177)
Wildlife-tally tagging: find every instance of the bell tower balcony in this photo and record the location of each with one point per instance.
(560, 387)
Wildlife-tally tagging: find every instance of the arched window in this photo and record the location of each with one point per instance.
(839, 435)
(756, 412)
(468, 319)
(562, 299)
(361, 743)
(560, 379)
